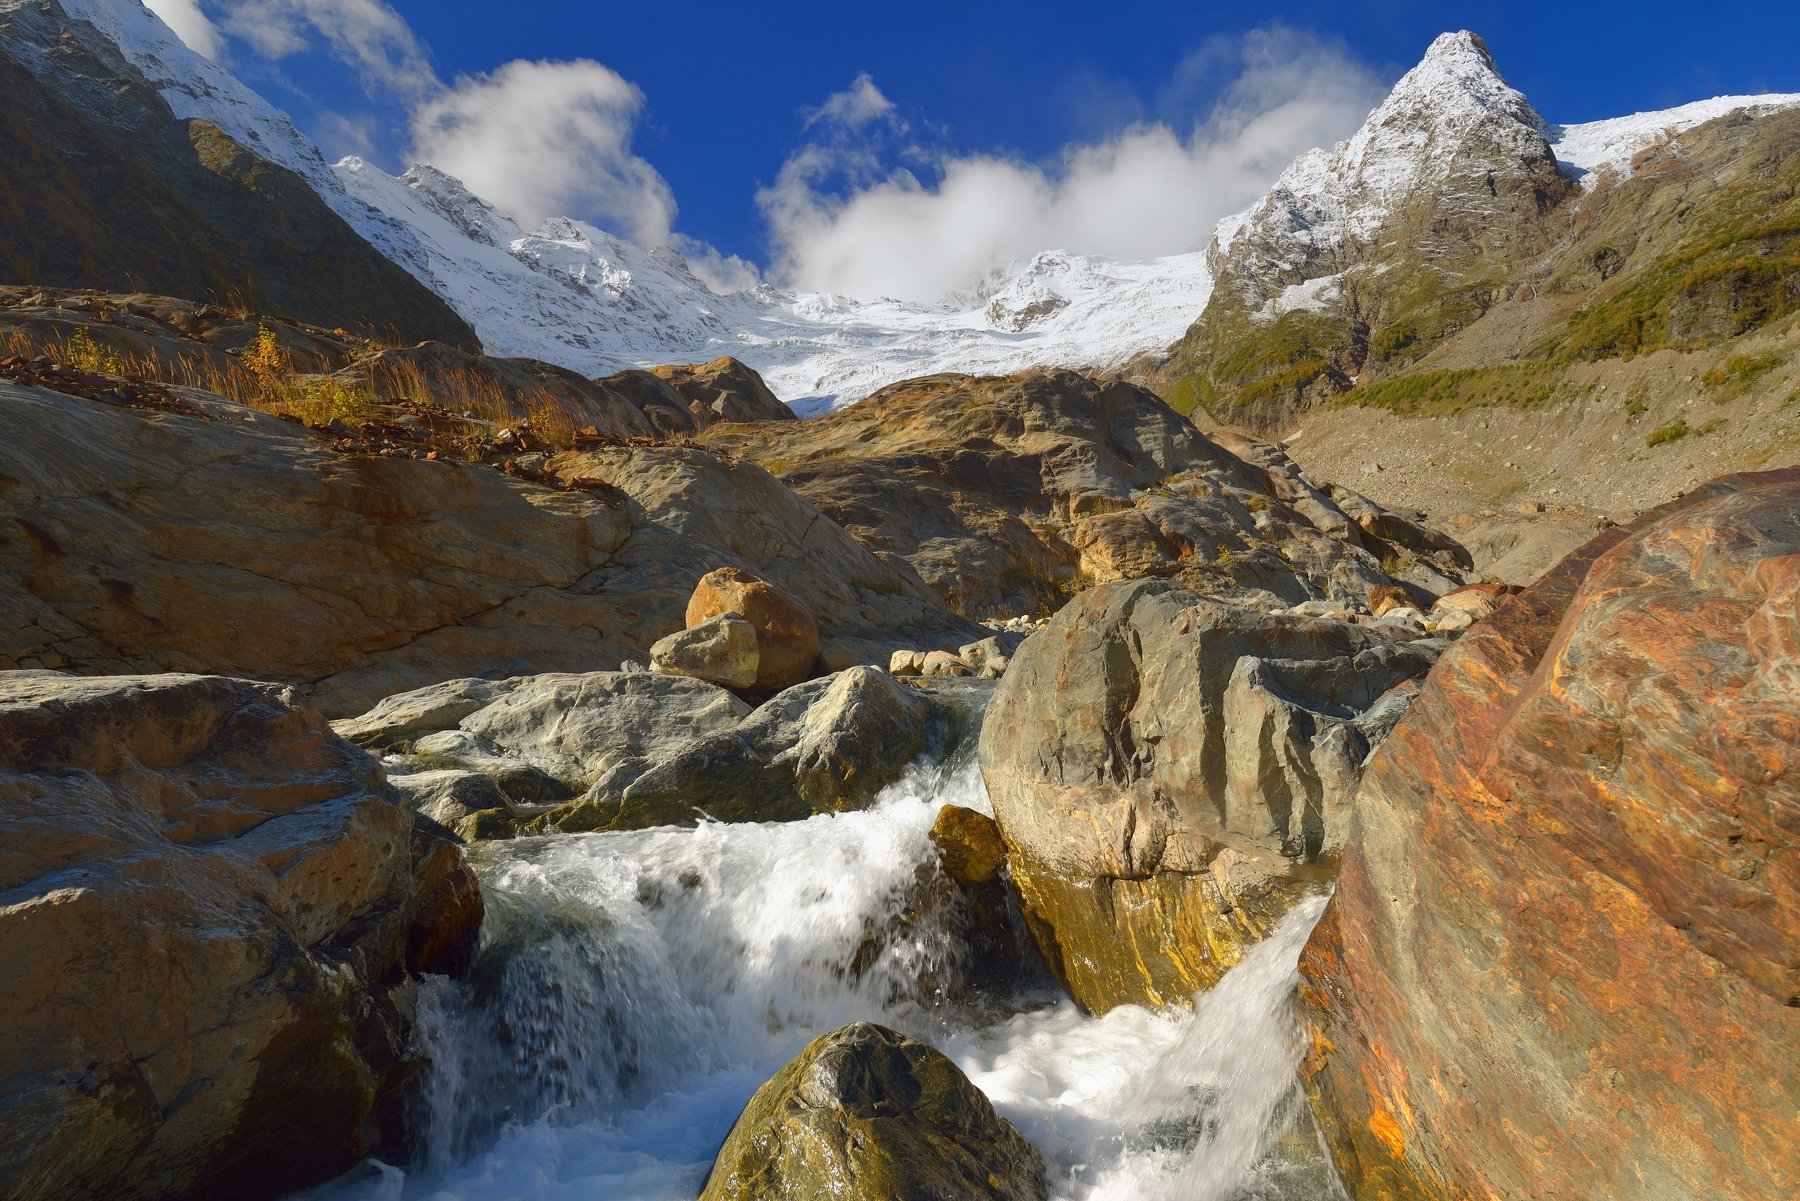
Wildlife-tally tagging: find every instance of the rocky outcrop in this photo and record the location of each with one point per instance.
(107, 189)
(213, 916)
(1573, 895)
(868, 1114)
(629, 750)
(786, 633)
(1171, 775)
(217, 538)
(723, 390)
(1011, 493)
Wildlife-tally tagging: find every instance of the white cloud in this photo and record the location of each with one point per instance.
(546, 139)
(860, 104)
(723, 273)
(367, 35)
(841, 222)
(190, 25)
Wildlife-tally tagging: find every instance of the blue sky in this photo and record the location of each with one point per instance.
(697, 108)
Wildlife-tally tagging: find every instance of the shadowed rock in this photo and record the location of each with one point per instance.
(213, 916)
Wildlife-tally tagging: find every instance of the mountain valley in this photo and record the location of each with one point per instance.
(484, 715)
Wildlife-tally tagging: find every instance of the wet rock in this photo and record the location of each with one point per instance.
(447, 926)
(787, 635)
(720, 650)
(868, 1114)
(214, 915)
(1171, 775)
(1573, 894)
(968, 844)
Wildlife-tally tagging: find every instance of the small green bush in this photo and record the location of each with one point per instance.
(1675, 431)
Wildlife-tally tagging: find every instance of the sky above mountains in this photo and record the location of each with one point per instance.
(905, 149)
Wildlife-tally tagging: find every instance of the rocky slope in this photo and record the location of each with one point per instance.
(108, 187)
(215, 919)
(1010, 493)
(1448, 202)
(1653, 348)
(1466, 309)
(1571, 894)
(155, 527)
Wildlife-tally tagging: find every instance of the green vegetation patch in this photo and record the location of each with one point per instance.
(1434, 393)
(1678, 429)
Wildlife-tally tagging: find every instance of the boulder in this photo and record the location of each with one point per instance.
(535, 740)
(723, 390)
(787, 636)
(214, 917)
(821, 747)
(1171, 774)
(720, 650)
(866, 1114)
(905, 663)
(629, 750)
(968, 844)
(1563, 958)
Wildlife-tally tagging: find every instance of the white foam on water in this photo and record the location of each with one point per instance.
(635, 989)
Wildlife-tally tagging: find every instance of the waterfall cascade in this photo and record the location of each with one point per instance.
(634, 989)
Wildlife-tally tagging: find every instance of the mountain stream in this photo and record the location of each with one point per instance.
(634, 989)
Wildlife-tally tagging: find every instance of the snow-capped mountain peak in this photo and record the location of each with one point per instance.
(1449, 121)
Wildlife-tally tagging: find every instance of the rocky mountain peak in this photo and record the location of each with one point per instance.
(1452, 127)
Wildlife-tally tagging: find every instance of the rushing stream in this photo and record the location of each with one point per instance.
(634, 990)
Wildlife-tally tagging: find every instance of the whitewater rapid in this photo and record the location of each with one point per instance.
(634, 989)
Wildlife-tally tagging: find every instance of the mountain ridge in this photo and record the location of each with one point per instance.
(572, 294)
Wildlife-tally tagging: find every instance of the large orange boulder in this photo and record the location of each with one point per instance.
(787, 635)
(1563, 959)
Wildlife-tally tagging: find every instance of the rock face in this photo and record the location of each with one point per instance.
(1008, 494)
(787, 635)
(213, 915)
(1171, 775)
(108, 189)
(226, 540)
(1573, 897)
(629, 750)
(868, 1114)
